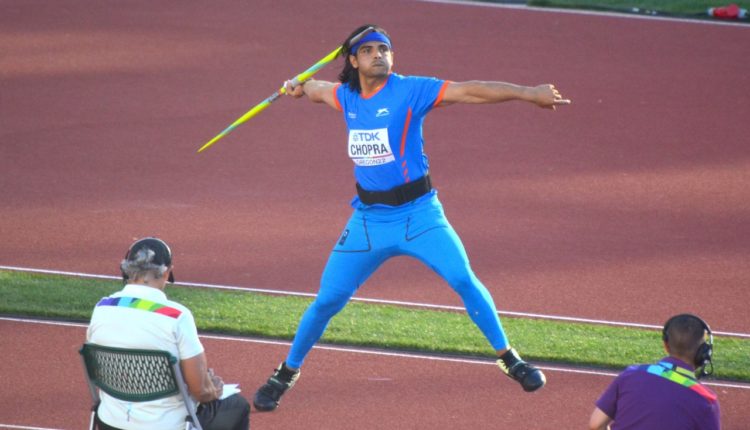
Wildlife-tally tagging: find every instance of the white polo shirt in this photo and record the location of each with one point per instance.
(142, 317)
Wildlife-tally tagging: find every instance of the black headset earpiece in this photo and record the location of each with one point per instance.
(703, 356)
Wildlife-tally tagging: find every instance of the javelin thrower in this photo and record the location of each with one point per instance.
(396, 210)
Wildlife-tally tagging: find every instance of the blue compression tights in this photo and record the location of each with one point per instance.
(374, 235)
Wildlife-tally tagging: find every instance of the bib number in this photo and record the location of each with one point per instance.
(370, 147)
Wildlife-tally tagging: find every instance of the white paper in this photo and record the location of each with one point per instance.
(230, 389)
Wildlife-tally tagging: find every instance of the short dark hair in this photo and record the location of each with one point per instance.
(350, 75)
(684, 334)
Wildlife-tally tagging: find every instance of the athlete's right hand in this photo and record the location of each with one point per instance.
(295, 92)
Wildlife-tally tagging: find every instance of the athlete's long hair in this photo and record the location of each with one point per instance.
(349, 74)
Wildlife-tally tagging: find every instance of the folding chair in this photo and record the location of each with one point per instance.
(135, 375)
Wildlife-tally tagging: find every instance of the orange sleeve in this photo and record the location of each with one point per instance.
(336, 99)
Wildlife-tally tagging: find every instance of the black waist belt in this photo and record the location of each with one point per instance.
(398, 195)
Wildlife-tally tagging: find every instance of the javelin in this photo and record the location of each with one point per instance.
(301, 78)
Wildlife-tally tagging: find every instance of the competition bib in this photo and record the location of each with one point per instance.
(370, 147)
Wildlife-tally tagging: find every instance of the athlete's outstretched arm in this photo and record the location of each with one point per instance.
(545, 96)
(316, 91)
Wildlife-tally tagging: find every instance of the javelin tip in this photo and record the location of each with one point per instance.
(208, 144)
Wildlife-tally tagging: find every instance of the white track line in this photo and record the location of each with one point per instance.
(11, 426)
(586, 12)
(581, 371)
(379, 301)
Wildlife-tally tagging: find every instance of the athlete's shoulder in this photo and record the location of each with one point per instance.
(344, 94)
(342, 88)
(413, 79)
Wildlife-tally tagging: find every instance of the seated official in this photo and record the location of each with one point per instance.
(141, 317)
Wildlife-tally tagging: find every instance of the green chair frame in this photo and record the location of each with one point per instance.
(135, 375)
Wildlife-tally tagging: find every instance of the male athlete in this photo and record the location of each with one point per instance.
(396, 210)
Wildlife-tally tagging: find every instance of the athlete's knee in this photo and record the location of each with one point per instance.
(463, 282)
(474, 295)
(330, 304)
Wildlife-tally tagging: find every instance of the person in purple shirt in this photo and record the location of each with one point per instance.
(665, 395)
(396, 209)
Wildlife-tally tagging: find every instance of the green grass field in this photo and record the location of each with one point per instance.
(370, 325)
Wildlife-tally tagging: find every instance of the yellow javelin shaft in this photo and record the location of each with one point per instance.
(260, 107)
(302, 77)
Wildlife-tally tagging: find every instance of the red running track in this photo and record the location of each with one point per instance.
(629, 205)
(337, 390)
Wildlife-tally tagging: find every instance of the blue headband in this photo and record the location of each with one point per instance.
(370, 37)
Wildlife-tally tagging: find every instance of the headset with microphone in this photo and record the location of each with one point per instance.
(702, 360)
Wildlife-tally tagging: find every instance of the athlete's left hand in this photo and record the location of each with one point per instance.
(546, 96)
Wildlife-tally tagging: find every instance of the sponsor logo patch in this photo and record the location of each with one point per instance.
(382, 112)
(370, 147)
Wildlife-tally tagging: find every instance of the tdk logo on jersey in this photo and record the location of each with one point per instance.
(382, 112)
(370, 147)
(366, 136)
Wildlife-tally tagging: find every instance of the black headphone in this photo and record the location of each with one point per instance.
(702, 360)
(163, 254)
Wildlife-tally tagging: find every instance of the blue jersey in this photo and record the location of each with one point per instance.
(385, 129)
(386, 145)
